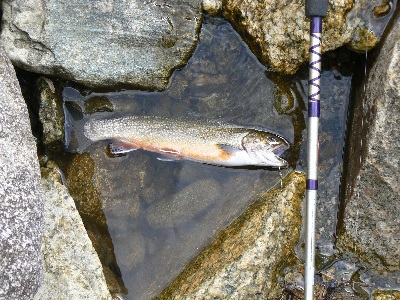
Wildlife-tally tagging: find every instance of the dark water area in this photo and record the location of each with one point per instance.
(148, 217)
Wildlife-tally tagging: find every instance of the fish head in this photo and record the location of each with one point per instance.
(265, 148)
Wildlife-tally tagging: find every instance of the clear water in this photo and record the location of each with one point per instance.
(154, 216)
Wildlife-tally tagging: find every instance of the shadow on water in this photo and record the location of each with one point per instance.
(147, 218)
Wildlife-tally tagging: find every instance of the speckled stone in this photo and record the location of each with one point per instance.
(245, 259)
(21, 204)
(213, 7)
(102, 43)
(371, 224)
(51, 113)
(278, 31)
(386, 295)
(72, 269)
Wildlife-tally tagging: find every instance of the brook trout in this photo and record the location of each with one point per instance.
(202, 141)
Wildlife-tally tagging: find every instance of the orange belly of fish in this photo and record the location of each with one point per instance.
(179, 150)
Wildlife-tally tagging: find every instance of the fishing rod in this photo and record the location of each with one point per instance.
(315, 10)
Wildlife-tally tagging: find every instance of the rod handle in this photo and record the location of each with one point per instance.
(316, 8)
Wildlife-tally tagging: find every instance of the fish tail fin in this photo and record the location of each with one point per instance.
(75, 139)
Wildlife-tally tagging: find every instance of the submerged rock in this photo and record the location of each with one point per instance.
(102, 43)
(371, 224)
(81, 181)
(21, 206)
(246, 258)
(72, 269)
(181, 208)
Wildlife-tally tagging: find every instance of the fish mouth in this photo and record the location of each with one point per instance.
(268, 158)
(281, 154)
(278, 161)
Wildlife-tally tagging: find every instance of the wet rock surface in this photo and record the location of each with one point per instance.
(21, 206)
(371, 227)
(72, 269)
(102, 43)
(367, 21)
(51, 113)
(246, 257)
(124, 197)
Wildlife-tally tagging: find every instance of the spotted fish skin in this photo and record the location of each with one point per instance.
(200, 140)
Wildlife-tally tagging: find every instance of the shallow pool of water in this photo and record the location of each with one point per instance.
(149, 217)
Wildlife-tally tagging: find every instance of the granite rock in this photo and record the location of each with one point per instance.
(371, 226)
(72, 269)
(278, 31)
(246, 258)
(102, 43)
(51, 113)
(386, 295)
(213, 7)
(21, 206)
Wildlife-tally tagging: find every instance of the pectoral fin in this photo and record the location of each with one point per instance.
(171, 152)
(121, 147)
(169, 155)
(228, 148)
